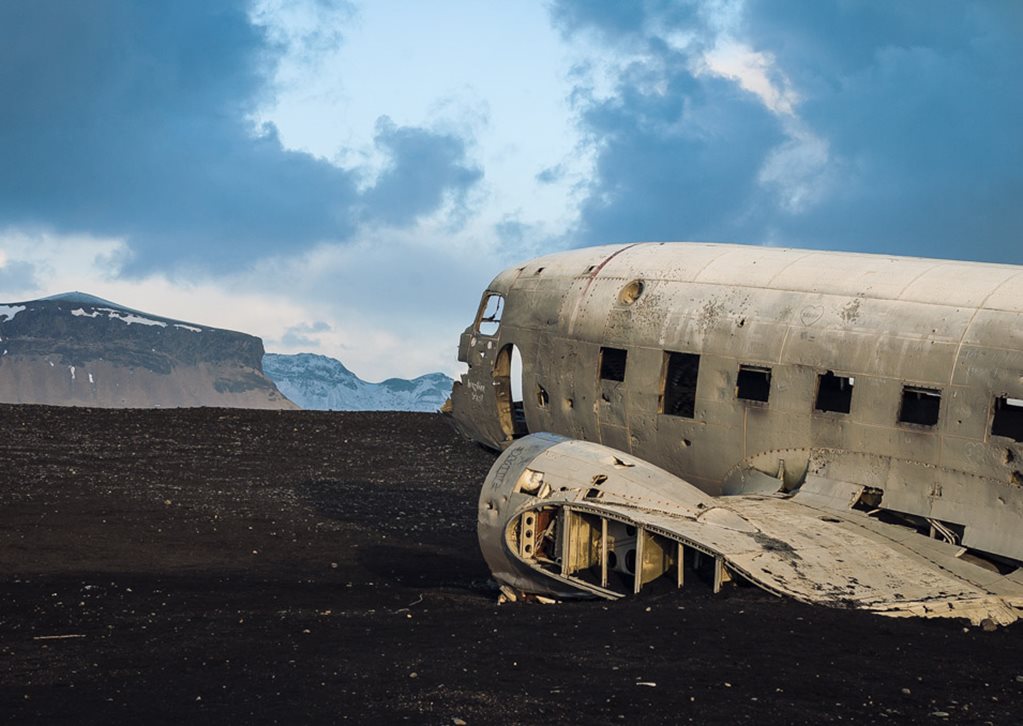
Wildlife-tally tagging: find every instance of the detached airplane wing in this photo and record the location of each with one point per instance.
(568, 518)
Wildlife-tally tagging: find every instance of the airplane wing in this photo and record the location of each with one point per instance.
(568, 518)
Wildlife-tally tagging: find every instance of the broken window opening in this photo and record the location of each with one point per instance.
(920, 406)
(753, 383)
(869, 499)
(612, 364)
(531, 482)
(594, 492)
(542, 398)
(834, 393)
(491, 310)
(1008, 420)
(508, 392)
(678, 384)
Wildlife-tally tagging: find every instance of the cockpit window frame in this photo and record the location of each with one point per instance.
(495, 319)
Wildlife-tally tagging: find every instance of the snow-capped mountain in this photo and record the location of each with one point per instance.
(322, 383)
(76, 349)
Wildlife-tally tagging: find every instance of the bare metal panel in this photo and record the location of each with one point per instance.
(885, 323)
(803, 547)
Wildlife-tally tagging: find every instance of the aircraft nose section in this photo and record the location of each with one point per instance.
(510, 487)
(558, 518)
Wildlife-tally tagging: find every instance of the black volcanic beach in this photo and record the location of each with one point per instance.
(235, 566)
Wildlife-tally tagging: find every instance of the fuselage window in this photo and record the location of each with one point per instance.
(834, 393)
(612, 364)
(490, 314)
(1008, 420)
(753, 383)
(920, 406)
(678, 384)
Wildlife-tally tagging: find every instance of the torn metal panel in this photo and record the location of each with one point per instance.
(564, 518)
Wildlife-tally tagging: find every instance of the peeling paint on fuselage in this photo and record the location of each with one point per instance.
(883, 322)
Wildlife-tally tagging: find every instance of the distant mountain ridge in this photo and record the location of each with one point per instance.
(75, 349)
(317, 382)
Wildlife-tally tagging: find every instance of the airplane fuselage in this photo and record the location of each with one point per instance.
(735, 366)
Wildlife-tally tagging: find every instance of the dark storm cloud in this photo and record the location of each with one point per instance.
(670, 166)
(617, 20)
(424, 166)
(917, 107)
(130, 119)
(924, 103)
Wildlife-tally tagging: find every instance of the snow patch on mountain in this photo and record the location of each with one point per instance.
(75, 349)
(9, 311)
(320, 383)
(129, 318)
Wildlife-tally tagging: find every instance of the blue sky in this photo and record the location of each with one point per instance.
(346, 177)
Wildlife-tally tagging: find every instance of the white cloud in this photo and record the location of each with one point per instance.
(83, 263)
(393, 301)
(800, 172)
(396, 301)
(800, 169)
(459, 66)
(59, 257)
(754, 72)
(394, 304)
(724, 17)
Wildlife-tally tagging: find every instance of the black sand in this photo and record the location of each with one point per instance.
(207, 565)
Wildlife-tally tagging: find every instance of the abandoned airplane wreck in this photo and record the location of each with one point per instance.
(844, 429)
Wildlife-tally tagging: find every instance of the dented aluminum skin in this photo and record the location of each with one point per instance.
(566, 518)
(931, 350)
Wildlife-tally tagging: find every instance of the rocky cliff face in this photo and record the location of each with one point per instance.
(79, 350)
(318, 382)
